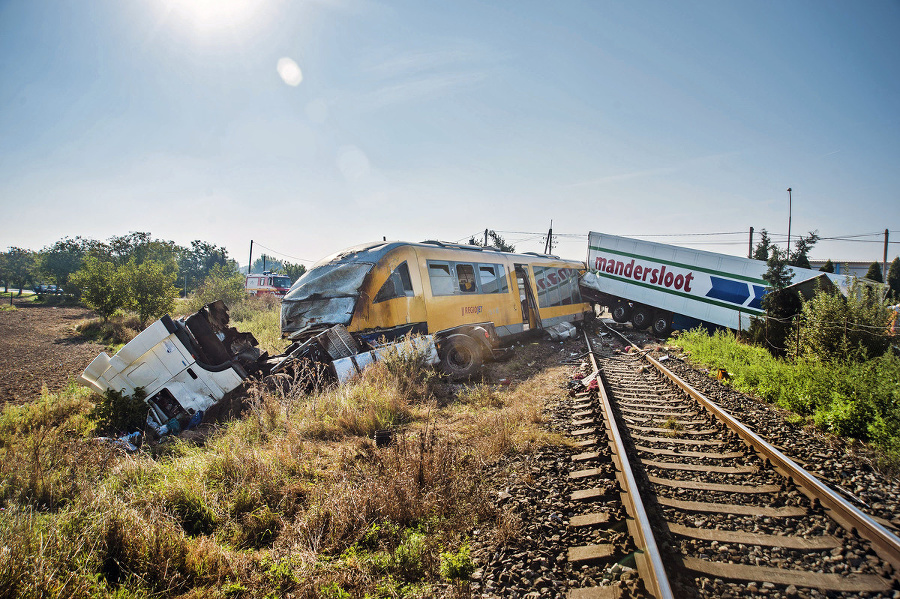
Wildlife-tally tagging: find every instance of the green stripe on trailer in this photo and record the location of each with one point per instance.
(735, 307)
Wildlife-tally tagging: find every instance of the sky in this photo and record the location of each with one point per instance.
(311, 126)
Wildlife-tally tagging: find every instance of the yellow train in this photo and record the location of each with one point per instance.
(469, 297)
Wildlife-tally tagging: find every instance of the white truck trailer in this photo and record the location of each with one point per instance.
(663, 286)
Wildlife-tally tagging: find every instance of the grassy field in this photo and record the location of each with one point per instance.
(855, 400)
(291, 499)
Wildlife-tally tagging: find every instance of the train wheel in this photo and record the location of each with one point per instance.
(662, 324)
(640, 317)
(621, 312)
(460, 357)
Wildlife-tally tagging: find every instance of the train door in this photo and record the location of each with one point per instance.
(530, 316)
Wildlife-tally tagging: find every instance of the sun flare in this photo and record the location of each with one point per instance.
(214, 14)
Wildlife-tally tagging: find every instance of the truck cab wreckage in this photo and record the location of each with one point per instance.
(185, 366)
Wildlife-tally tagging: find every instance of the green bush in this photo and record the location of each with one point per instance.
(860, 400)
(118, 413)
(222, 283)
(457, 566)
(835, 328)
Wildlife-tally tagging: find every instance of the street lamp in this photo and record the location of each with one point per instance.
(789, 224)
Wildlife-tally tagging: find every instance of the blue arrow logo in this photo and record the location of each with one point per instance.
(758, 293)
(729, 291)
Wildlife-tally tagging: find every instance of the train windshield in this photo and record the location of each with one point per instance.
(325, 295)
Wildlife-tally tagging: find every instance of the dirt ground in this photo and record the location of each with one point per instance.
(39, 346)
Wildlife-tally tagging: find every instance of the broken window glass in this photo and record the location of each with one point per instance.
(441, 278)
(493, 278)
(397, 285)
(465, 274)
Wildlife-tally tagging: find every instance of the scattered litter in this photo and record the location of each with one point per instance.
(561, 331)
(126, 442)
(663, 358)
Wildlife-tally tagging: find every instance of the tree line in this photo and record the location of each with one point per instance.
(134, 271)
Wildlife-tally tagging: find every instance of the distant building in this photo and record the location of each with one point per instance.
(844, 267)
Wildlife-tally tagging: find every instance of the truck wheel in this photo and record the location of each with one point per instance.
(460, 357)
(621, 312)
(640, 317)
(662, 324)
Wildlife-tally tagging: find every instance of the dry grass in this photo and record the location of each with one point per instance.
(115, 332)
(291, 499)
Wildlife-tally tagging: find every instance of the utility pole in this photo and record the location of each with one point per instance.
(789, 226)
(884, 260)
(485, 237)
(548, 247)
(750, 248)
(250, 264)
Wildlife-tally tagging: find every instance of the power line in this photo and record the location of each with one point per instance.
(283, 254)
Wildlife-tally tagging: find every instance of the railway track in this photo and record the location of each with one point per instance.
(712, 510)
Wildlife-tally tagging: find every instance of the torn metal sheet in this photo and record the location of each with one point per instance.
(351, 366)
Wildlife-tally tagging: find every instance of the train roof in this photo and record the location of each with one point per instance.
(374, 251)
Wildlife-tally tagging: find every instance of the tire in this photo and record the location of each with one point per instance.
(461, 357)
(662, 324)
(641, 317)
(621, 312)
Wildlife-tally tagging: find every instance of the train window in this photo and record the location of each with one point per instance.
(441, 278)
(493, 278)
(465, 273)
(556, 286)
(397, 285)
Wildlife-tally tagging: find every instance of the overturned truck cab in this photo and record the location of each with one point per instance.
(470, 298)
(183, 366)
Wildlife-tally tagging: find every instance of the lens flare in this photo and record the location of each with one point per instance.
(289, 71)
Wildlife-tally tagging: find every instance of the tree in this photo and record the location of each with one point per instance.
(781, 305)
(20, 267)
(828, 267)
(266, 263)
(124, 247)
(151, 288)
(62, 259)
(497, 242)
(196, 262)
(802, 247)
(893, 278)
(101, 286)
(4, 273)
(763, 247)
(223, 283)
(874, 273)
(294, 271)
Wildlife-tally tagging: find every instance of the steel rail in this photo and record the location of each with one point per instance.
(884, 542)
(650, 565)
